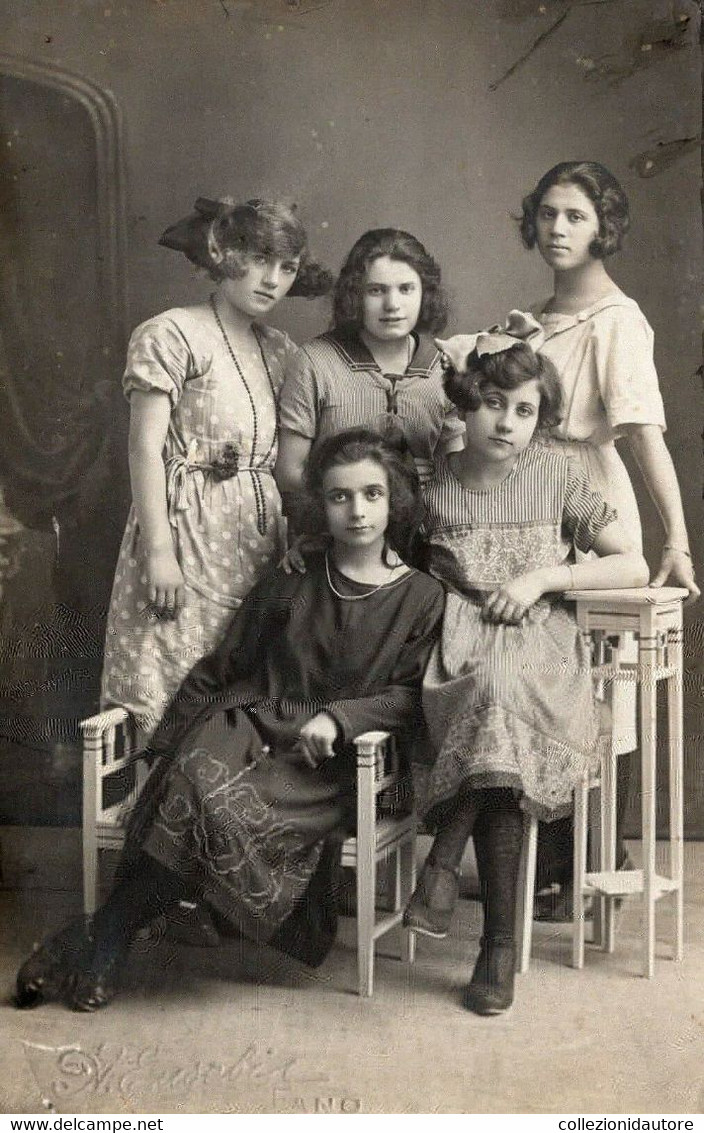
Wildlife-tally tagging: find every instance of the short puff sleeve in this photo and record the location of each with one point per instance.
(298, 405)
(585, 513)
(628, 380)
(158, 358)
(281, 348)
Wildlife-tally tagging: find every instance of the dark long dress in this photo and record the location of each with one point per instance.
(257, 833)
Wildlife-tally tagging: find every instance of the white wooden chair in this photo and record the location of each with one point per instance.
(600, 820)
(109, 754)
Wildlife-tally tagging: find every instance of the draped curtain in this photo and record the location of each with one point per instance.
(63, 483)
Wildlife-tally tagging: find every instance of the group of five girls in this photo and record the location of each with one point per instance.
(250, 681)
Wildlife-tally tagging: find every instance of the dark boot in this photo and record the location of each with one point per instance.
(51, 969)
(490, 990)
(498, 836)
(147, 891)
(430, 909)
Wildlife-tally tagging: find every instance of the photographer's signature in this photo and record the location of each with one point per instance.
(124, 1071)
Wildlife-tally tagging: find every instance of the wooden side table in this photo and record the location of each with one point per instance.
(654, 616)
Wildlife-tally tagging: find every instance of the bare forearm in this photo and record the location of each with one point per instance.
(148, 479)
(290, 463)
(658, 471)
(620, 571)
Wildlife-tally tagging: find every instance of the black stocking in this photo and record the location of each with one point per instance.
(498, 836)
(147, 890)
(454, 832)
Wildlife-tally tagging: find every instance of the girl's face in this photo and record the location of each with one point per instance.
(392, 294)
(504, 424)
(356, 499)
(265, 281)
(566, 224)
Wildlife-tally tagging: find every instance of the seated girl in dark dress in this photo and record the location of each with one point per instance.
(255, 783)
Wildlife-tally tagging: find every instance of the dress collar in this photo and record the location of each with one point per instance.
(356, 355)
(555, 321)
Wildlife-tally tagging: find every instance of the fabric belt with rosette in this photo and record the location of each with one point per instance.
(224, 467)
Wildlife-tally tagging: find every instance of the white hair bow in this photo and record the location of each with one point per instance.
(520, 327)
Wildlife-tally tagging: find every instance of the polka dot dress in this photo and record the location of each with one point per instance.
(226, 532)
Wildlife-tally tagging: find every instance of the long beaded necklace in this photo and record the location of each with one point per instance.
(361, 597)
(256, 481)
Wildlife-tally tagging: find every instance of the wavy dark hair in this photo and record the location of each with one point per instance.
(508, 370)
(218, 235)
(603, 190)
(406, 509)
(398, 245)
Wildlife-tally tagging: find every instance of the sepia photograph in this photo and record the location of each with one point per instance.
(351, 481)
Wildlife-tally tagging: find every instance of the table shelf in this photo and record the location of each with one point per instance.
(627, 883)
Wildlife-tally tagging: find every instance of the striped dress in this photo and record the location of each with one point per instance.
(333, 383)
(510, 706)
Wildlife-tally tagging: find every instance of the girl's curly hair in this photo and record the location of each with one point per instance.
(219, 234)
(603, 190)
(508, 370)
(406, 510)
(398, 245)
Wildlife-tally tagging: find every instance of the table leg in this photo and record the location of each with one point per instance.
(581, 804)
(608, 820)
(674, 722)
(647, 657)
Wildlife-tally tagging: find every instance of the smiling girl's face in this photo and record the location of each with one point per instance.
(356, 501)
(392, 294)
(566, 224)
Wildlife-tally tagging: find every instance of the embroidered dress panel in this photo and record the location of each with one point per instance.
(510, 706)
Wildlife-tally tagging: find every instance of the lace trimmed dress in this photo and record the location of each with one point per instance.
(231, 806)
(510, 706)
(226, 531)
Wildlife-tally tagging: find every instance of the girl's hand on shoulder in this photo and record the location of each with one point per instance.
(316, 739)
(677, 568)
(511, 602)
(166, 591)
(294, 559)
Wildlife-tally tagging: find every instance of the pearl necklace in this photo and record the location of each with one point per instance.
(361, 597)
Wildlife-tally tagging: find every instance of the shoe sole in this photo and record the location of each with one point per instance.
(487, 1012)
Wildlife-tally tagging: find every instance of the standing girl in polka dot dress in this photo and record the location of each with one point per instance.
(203, 385)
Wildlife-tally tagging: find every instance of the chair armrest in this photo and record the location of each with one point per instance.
(109, 737)
(94, 726)
(369, 742)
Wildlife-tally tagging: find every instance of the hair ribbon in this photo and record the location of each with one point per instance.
(520, 327)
